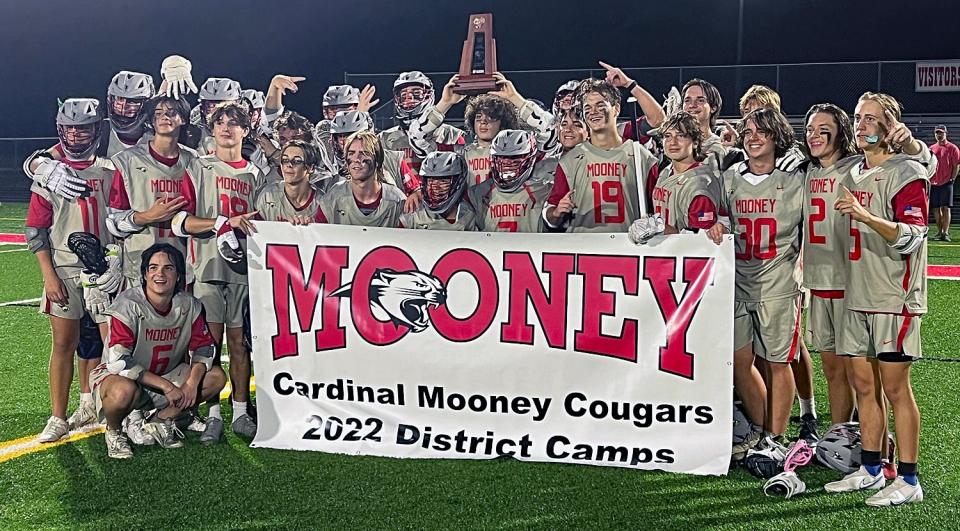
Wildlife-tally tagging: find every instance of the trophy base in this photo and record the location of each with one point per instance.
(473, 85)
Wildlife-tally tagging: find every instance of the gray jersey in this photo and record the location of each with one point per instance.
(115, 145)
(397, 172)
(517, 211)
(826, 231)
(444, 138)
(339, 206)
(689, 200)
(215, 188)
(605, 186)
(273, 204)
(879, 278)
(478, 163)
(461, 217)
(715, 151)
(142, 178)
(766, 218)
(142, 339)
(63, 217)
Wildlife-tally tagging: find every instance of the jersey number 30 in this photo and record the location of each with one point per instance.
(753, 237)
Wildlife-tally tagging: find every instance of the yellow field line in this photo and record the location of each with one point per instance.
(28, 445)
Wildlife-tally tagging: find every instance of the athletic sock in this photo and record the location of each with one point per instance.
(871, 462)
(214, 411)
(239, 409)
(808, 405)
(909, 472)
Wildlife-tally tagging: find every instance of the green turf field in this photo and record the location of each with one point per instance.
(231, 486)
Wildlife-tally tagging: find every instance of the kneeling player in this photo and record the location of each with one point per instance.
(159, 354)
(443, 181)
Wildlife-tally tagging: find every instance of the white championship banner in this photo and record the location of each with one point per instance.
(572, 348)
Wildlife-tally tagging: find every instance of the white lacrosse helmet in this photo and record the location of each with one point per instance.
(135, 88)
(438, 168)
(406, 115)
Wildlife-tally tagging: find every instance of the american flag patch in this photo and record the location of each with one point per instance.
(705, 216)
(912, 211)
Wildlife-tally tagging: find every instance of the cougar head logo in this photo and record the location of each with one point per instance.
(402, 297)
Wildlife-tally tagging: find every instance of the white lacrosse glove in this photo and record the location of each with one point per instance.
(787, 484)
(60, 179)
(110, 281)
(791, 161)
(94, 299)
(645, 228)
(227, 243)
(176, 71)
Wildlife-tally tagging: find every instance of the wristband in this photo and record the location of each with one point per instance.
(631, 86)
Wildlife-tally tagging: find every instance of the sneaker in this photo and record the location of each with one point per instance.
(118, 447)
(133, 426)
(946, 238)
(83, 415)
(938, 237)
(808, 429)
(859, 479)
(739, 451)
(196, 423)
(244, 426)
(897, 493)
(165, 432)
(55, 429)
(213, 431)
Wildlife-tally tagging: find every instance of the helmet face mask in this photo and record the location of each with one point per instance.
(339, 98)
(126, 95)
(412, 95)
(513, 154)
(216, 90)
(79, 121)
(443, 179)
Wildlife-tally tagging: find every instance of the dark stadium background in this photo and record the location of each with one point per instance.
(52, 49)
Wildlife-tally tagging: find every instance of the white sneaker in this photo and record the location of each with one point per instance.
(165, 432)
(739, 451)
(118, 447)
(133, 426)
(897, 493)
(55, 429)
(859, 479)
(82, 416)
(196, 423)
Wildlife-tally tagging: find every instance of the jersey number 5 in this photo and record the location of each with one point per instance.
(607, 192)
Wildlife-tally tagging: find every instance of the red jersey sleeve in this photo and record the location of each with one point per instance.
(560, 187)
(652, 176)
(200, 334)
(118, 193)
(39, 213)
(186, 188)
(910, 204)
(120, 334)
(702, 214)
(411, 181)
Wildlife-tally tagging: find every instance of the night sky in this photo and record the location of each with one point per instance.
(57, 48)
